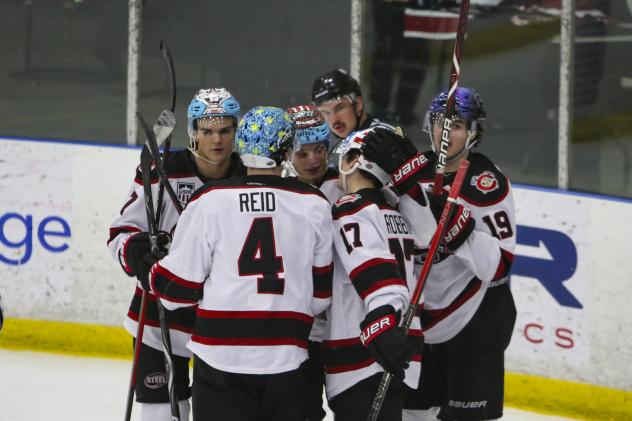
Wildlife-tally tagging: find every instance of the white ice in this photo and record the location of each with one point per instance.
(48, 387)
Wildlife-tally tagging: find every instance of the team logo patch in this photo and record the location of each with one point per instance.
(185, 190)
(485, 182)
(155, 380)
(347, 198)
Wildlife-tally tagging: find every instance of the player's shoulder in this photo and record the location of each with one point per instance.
(484, 184)
(353, 203)
(179, 164)
(294, 185)
(374, 122)
(215, 185)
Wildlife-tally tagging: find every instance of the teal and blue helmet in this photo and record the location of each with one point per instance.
(210, 103)
(263, 136)
(309, 126)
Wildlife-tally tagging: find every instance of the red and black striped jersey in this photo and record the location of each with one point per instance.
(254, 254)
(457, 282)
(185, 179)
(373, 266)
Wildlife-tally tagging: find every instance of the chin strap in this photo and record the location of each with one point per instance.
(347, 173)
(469, 144)
(197, 155)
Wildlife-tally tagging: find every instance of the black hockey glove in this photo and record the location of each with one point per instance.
(396, 155)
(386, 342)
(460, 223)
(137, 246)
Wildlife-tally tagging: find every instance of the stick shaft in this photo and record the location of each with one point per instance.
(455, 73)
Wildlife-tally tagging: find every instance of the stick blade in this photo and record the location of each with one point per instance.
(164, 125)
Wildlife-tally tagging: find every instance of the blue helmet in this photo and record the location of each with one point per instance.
(209, 103)
(263, 136)
(468, 104)
(309, 126)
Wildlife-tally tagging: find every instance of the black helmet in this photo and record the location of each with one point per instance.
(333, 85)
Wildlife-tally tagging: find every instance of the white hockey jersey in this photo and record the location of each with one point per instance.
(373, 266)
(329, 187)
(457, 281)
(185, 179)
(254, 254)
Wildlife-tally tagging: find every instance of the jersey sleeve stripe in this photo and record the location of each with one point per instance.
(181, 319)
(323, 280)
(374, 275)
(126, 229)
(430, 318)
(173, 288)
(344, 355)
(252, 328)
(504, 265)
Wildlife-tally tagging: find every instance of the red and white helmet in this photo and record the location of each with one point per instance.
(355, 141)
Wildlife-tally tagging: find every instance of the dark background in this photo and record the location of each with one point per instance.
(63, 67)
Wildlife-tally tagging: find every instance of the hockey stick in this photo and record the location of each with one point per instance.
(449, 106)
(146, 157)
(413, 306)
(172, 83)
(154, 151)
(163, 127)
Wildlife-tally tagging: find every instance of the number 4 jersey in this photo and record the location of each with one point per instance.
(373, 266)
(255, 254)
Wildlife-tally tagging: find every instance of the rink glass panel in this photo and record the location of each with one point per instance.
(512, 57)
(63, 64)
(63, 73)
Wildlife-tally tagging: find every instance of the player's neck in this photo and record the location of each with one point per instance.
(452, 167)
(266, 171)
(213, 171)
(357, 181)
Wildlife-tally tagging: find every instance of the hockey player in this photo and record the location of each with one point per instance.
(254, 254)
(212, 122)
(308, 160)
(309, 153)
(339, 99)
(373, 272)
(469, 312)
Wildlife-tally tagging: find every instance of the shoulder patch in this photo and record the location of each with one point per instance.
(485, 182)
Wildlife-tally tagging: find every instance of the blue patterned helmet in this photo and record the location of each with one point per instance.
(263, 136)
(209, 103)
(309, 126)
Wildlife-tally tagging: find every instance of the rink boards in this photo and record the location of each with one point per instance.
(63, 292)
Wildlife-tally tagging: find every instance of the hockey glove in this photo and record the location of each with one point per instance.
(460, 223)
(396, 154)
(385, 341)
(137, 246)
